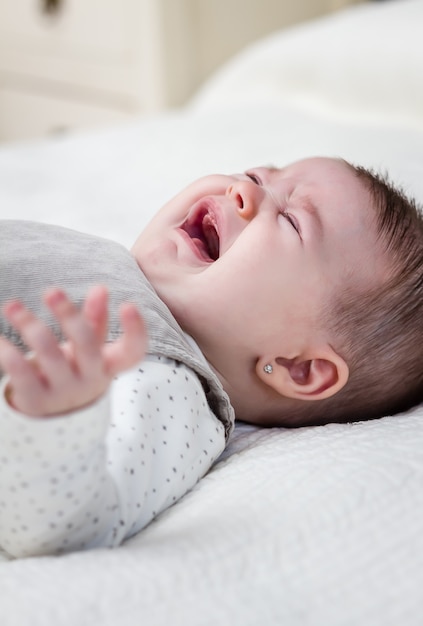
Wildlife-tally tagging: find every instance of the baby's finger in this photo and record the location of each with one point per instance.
(12, 360)
(86, 346)
(40, 339)
(96, 311)
(27, 382)
(131, 346)
(33, 331)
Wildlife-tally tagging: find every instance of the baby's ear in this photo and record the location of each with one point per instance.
(313, 376)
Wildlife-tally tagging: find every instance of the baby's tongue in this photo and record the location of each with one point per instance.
(202, 248)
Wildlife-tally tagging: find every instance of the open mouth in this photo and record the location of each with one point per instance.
(202, 229)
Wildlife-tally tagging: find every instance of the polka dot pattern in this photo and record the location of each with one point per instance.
(99, 475)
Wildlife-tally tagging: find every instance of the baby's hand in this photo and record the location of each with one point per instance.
(59, 378)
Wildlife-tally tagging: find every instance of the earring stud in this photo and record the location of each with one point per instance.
(268, 368)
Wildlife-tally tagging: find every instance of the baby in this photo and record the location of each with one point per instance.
(297, 295)
(302, 287)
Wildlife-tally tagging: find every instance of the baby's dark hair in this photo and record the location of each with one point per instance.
(380, 333)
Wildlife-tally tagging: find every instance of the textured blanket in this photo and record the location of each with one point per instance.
(309, 527)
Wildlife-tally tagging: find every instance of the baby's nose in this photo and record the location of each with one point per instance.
(244, 193)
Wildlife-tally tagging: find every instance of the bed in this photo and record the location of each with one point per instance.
(301, 527)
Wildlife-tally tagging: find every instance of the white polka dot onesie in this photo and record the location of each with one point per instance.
(99, 475)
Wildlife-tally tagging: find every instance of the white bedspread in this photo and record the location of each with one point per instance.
(307, 527)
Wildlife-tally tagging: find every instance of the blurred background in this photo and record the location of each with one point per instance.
(73, 64)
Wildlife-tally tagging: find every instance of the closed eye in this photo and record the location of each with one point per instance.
(294, 223)
(256, 179)
(290, 218)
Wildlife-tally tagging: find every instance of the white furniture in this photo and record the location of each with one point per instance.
(72, 63)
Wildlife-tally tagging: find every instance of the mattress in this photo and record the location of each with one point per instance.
(309, 526)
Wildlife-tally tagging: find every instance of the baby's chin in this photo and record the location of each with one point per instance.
(153, 258)
(167, 290)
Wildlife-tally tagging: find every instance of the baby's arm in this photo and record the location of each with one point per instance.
(53, 471)
(62, 378)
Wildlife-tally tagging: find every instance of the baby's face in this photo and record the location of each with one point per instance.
(247, 262)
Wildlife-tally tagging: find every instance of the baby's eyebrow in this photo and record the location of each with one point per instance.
(308, 205)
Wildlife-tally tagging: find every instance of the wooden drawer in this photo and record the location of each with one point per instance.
(93, 44)
(88, 29)
(27, 115)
